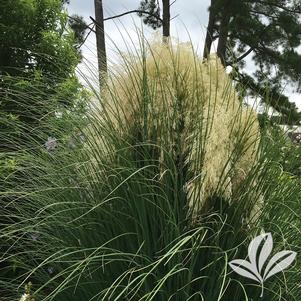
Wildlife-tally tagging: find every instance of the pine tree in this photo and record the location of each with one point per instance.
(153, 18)
(270, 32)
(79, 27)
(100, 40)
(150, 12)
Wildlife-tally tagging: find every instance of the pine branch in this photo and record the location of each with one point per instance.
(87, 26)
(252, 47)
(86, 37)
(241, 57)
(271, 97)
(138, 11)
(296, 10)
(174, 17)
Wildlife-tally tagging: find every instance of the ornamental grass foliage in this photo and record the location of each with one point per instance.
(167, 181)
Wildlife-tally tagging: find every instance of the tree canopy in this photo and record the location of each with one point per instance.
(150, 11)
(34, 34)
(270, 32)
(153, 8)
(38, 57)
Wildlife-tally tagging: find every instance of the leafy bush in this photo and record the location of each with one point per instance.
(287, 152)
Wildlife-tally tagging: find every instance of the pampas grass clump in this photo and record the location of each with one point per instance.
(189, 108)
(153, 198)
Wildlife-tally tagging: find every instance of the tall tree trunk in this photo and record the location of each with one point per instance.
(223, 31)
(209, 32)
(166, 19)
(100, 41)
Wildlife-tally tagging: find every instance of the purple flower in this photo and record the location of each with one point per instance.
(34, 236)
(51, 143)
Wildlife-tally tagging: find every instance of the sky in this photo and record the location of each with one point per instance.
(189, 23)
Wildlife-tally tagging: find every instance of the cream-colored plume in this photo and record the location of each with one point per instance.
(189, 106)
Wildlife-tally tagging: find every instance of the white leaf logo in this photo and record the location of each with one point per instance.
(253, 269)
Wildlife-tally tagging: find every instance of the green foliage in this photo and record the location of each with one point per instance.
(37, 57)
(40, 95)
(285, 151)
(28, 103)
(20, 137)
(152, 18)
(79, 27)
(102, 220)
(270, 32)
(25, 27)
